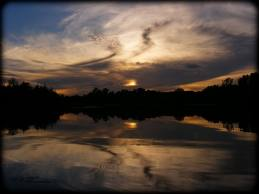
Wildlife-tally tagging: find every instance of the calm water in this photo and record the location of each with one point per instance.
(158, 154)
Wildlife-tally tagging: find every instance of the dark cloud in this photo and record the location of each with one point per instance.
(20, 66)
(192, 66)
(83, 82)
(112, 44)
(238, 43)
(7, 75)
(160, 75)
(146, 39)
(171, 74)
(37, 61)
(100, 66)
(91, 62)
(211, 13)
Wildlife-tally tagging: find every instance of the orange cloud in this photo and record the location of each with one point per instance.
(196, 86)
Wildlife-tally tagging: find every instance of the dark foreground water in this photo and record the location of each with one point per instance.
(157, 154)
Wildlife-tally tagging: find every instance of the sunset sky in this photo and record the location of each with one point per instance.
(76, 47)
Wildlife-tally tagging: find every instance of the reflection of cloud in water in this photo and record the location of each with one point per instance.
(234, 128)
(161, 154)
(163, 128)
(196, 120)
(130, 167)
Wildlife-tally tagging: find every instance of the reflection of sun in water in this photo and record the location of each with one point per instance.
(131, 124)
(69, 117)
(130, 83)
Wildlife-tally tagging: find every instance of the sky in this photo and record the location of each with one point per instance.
(74, 47)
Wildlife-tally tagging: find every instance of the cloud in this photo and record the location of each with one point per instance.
(147, 41)
(160, 45)
(90, 64)
(79, 84)
(192, 66)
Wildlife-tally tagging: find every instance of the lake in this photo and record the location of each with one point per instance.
(155, 154)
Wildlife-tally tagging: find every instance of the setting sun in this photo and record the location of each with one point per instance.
(131, 125)
(130, 83)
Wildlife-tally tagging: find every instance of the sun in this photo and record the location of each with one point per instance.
(131, 125)
(130, 83)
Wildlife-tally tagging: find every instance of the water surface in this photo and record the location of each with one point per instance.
(155, 154)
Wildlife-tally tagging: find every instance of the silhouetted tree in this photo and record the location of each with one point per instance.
(179, 90)
(12, 82)
(227, 82)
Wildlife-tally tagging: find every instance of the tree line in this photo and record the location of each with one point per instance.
(240, 92)
(232, 101)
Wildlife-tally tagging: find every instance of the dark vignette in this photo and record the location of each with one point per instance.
(5, 2)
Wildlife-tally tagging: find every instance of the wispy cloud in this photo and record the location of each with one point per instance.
(159, 45)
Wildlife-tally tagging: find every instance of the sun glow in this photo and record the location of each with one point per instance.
(67, 91)
(131, 125)
(130, 83)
